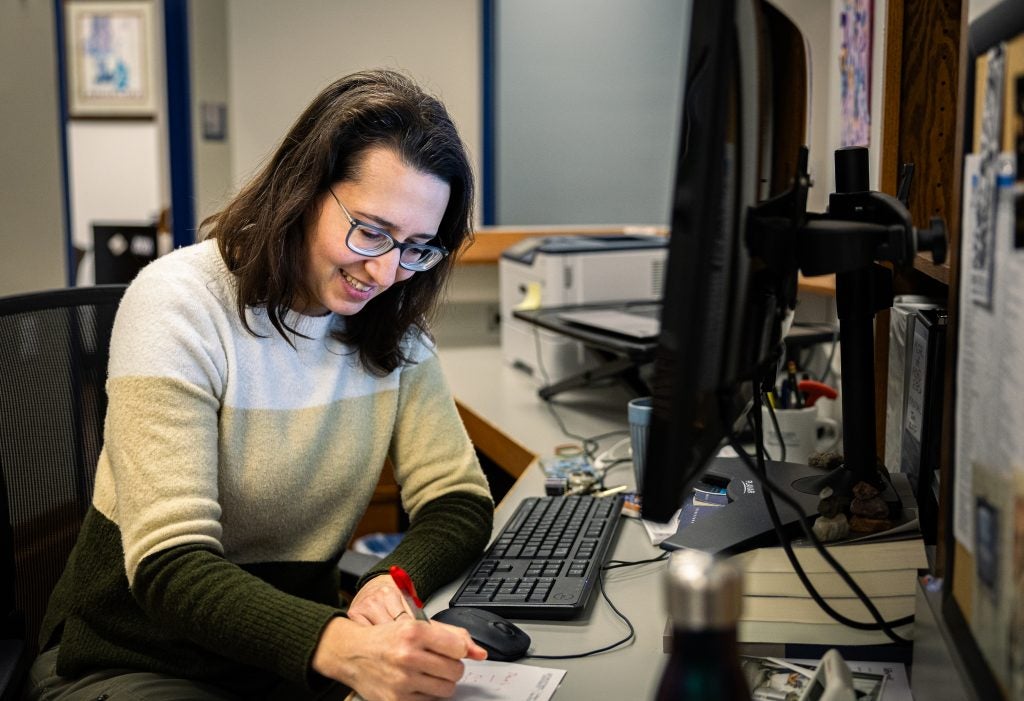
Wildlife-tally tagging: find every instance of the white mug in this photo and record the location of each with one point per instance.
(803, 432)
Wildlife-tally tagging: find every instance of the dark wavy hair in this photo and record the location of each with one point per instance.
(261, 232)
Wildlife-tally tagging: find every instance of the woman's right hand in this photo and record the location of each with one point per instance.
(403, 659)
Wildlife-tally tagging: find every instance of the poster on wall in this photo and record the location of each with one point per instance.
(855, 72)
(110, 59)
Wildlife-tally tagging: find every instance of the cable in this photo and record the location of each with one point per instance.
(607, 459)
(775, 426)
(609, 565)
(760, 472)
(589, 443)
(831, 356)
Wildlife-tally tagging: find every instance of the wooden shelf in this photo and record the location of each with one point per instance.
(924, 264)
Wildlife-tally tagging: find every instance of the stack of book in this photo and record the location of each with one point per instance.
(778, 609)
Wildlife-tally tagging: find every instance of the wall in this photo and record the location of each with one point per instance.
(208, 58)
(281, 54)
(813, 19)
(33, 255)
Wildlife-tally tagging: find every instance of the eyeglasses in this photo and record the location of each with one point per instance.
(372, 241)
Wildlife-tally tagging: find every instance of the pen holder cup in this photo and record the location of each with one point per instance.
(803, 431)
(639, 411)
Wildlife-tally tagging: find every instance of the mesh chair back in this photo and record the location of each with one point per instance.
(54, 348)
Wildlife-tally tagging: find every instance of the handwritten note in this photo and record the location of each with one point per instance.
(507, 681)
(501, 681)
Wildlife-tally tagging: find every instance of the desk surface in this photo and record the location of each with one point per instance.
(501, 402)
(506, 397)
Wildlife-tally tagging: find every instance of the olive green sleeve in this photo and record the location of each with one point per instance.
(444, 538)
(225, 609)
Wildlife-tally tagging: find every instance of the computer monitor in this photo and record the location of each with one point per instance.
(740, 234)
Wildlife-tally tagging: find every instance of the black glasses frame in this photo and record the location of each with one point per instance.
(402, 247)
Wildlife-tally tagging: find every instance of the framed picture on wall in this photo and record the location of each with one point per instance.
(110, 59)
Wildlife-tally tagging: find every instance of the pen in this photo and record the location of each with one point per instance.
(405, 586)
(798, 401)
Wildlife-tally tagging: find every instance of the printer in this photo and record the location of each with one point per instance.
(566, 270)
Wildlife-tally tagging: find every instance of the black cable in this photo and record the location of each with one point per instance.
(609, 565)
(772, 489)
(831, 356)
(775, 425)
(615, 564)
(589, 444)
(624, 641)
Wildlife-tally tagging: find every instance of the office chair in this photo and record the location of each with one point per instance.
(54, 348)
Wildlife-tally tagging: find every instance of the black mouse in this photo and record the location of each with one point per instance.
(504, 641)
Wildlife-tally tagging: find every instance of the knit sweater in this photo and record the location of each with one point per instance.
(234, 471)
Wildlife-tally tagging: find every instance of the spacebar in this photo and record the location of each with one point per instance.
(474, 599)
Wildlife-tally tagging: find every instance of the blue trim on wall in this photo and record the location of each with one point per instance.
(179, 122)
(62, 129)
(488, 176)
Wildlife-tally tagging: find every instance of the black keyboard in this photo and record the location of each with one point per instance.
(545, 561)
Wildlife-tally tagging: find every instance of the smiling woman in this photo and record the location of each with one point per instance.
(258, 382)
(349, 261)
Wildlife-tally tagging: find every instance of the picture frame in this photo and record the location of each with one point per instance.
(110, 59)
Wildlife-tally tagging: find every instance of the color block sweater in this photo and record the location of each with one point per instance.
(234, 471)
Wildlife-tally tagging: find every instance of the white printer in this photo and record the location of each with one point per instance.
(564, 270)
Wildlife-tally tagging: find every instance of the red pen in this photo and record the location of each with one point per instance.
(405, 585)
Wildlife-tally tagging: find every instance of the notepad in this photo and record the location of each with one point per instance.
(506, 681)
(502, 681)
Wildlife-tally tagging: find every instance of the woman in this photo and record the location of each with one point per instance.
(258, 380)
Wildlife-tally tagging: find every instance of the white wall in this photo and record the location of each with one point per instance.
(208, 59)
(281, 54)
(33, 255)
(814, 20)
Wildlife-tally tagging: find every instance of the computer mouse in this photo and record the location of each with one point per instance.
(503, 640)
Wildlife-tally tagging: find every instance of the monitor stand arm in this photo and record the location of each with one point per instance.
(861, 228)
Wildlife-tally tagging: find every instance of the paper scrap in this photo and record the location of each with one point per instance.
(506, 681)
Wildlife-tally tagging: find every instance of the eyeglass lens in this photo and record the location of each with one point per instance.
(413, 256)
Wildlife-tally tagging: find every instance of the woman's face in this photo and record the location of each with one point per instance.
(407, 203)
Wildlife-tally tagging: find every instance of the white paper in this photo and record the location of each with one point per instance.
(501, 681)
(506, 681)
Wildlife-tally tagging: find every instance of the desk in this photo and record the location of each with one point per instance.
(506, 419)
(493, 394)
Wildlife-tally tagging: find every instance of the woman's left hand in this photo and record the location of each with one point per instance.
(379, 601)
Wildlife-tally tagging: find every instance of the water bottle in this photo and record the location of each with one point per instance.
(704, 601)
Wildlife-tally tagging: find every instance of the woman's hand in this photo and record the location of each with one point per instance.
(396, 660)
(378, 601)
